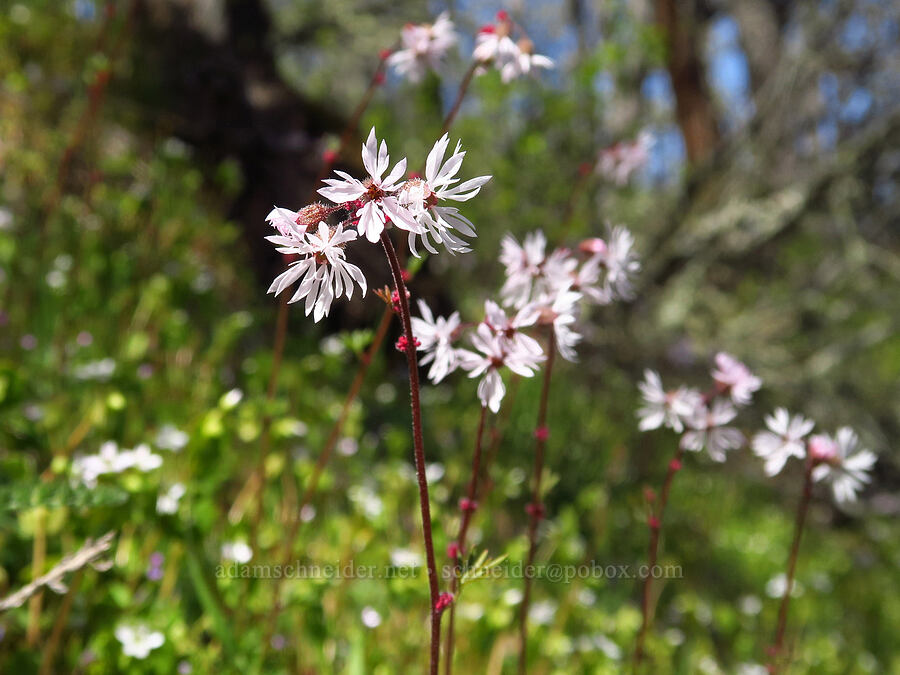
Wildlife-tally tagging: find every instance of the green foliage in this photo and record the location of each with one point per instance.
(131, 262)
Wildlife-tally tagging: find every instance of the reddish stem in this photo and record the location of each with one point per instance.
(460, 95)
(655, 523)
(536, 510)
(802, 509)
(419, 448)
(471, 494)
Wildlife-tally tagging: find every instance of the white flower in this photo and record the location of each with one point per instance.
(109, 459)
(167, 502)
(522, 61)
(404, 557)
(285, 222)
(620, 263)
(96, 370)
(495, 352)
(422, 196)
(620, 161)
(708, 430)
(783, 440)
(324, 272)
(231, 398)
(776, 587)
(523, 265)
(370, 617)
(436, 338)
(734, 377)
(510, 328)
(377, 195)
(666, 408)
(237, 551)
(494, 44)
(138, 641)
(171, 438)
(423, 46)
(557, 308)
(842, 463)
(141, 458)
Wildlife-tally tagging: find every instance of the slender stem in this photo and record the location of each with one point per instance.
(460, 95)
(418, 447)
(655, 524)
(537, 510)
(802, 509)
(471, 494)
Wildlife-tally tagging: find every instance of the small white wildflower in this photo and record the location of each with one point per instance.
(708, 430)
(620, 161)
(842, 464)
(370, 617)
(666, 408)
(237, 551)
(422, 196)
(378, 195)
(138, 641)
(423, 46)
(170, 438)
(167, 502)
(436, 337)
(735, 378)
(322, 270)
(783, 440)
(404, 557)
(231, 398)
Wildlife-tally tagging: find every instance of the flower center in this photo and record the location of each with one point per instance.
(372, 192)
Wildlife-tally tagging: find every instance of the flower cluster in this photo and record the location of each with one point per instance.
(494, 46)
(542, 292)
(618, 162)
(423, 47)
(701, 418)
(837, 460)
(110, 460)
(366, 207)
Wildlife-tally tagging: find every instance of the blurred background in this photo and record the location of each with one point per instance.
(142, 145)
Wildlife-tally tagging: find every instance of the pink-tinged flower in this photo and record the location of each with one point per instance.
(510, 327)
(523, 61)
(323, 271)
(375, 196)
(523, 266)
(494, 353)
(784, 439)
(735, 378)
(666, 408)
(423, 46)
(708, 430)
(436, 336)
(620, 161)
(422, 196)
(842, 463)
(493, 44)
(558, 308)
